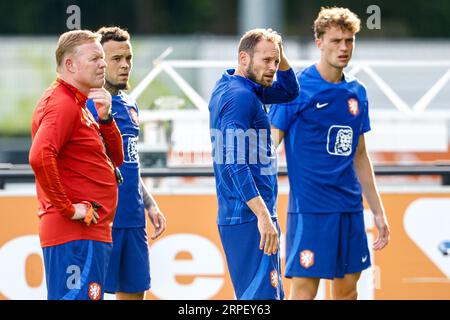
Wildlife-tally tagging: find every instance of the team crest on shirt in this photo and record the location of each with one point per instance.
(353, 106)
(274, 278)
(307, 258)
(134, 116)
(94, 291)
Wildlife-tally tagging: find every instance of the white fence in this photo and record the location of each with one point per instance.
(397, 126)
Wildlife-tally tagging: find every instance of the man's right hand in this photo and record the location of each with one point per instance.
(284, 63)
(269, 235)
(102, 102)
(81, 211)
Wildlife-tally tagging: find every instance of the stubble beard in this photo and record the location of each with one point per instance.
(114, 88)
(250, 74)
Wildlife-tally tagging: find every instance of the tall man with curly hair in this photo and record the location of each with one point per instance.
(329, 167)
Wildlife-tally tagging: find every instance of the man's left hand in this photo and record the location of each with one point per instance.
(383, 232)
(158, 221)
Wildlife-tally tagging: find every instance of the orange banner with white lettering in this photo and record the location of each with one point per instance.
(187, 262)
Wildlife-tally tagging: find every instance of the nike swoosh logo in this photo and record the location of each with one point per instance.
(364, 259)
(320, 106)
(114, 114)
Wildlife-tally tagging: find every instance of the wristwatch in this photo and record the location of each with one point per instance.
(106, 121)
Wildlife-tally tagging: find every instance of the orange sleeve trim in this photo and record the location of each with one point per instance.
(53, 187)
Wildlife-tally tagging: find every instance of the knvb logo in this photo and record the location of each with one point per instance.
(307, 258)
(95, 291)
(274, 278)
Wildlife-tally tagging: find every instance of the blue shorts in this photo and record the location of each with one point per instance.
(255, 275)
(129, 267)
(326, 245)
(76, 270)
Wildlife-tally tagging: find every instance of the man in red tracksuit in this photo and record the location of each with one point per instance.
(74, 159)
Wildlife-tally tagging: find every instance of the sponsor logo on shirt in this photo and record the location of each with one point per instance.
(340, 140)
(94, 291)
(353, 106)
(274, 278)
(321, 105)
(131, 150)
(307, 259)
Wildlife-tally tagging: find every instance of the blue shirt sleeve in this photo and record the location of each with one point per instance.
(90, 106)
(237, 116)
(362, 96)
(284, 89)
(282, 115)
(366, 120)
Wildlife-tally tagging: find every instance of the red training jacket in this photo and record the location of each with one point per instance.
(70, 164)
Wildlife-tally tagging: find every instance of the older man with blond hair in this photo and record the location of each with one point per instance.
(74, 159)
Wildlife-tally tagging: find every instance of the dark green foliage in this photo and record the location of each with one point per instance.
(413, 18)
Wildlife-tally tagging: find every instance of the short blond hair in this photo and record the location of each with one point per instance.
(69, 41)
(335, 17)
(252, 37)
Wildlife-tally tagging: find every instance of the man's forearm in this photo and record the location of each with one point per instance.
(149, 201)
(113, 140)
(45, 168)
(366, 176)
(277, 136)
(258, 207)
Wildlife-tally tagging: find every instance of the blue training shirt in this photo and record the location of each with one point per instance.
(130, 208)
(244, 156)
(322, 127)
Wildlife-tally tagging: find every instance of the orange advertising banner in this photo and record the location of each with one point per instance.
(187, 261)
